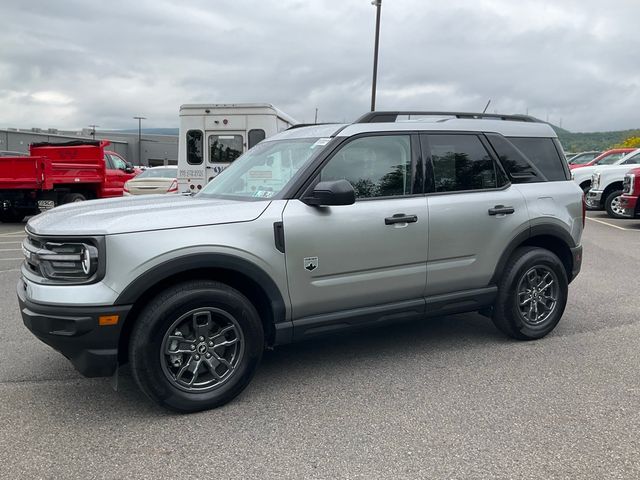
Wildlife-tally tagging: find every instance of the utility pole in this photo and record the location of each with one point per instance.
(316, 117)
(378, 5)
(93, 131)
(140, 138)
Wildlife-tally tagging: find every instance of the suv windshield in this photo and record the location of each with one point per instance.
(264, 170)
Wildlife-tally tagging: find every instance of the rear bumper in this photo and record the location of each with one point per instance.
(75, 332)
(630, 205)
(576, 253)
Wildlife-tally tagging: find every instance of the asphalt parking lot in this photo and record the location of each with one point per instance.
(444, 398)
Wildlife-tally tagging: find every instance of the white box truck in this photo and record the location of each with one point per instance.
(213, 136)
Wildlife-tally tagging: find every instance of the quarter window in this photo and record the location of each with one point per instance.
(543, 153)
(460, 162)
(376, 166)
(517, 166)
(194, 147)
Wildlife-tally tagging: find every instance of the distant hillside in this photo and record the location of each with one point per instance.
(580, 142)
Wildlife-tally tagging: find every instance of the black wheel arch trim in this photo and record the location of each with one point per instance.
(199, 261)
(549, 229)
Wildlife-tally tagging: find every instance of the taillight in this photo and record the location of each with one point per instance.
(173, 187)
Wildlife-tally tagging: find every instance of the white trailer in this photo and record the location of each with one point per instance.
(213, 136)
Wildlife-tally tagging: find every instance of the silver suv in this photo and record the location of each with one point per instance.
(316, 230)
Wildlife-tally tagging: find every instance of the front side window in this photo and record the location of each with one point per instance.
(194, 147)
(375, 166)
(265, 170)
(224, 148)
(461, 163)
(118, 163)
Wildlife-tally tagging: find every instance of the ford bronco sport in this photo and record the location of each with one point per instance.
(315, 230)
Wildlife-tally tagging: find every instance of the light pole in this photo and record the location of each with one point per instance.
(378, 5)
(140, 138)
(93, 131)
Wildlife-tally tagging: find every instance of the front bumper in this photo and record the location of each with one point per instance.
(630, 205)
(75, 332)
(594, 199)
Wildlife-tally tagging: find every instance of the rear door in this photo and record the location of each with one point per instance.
(223, 149)
(474, 212)
(344, 258)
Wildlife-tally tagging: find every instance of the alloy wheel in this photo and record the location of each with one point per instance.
(537, 295)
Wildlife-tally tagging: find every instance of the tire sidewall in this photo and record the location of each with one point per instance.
(522, 265)
(147, 344)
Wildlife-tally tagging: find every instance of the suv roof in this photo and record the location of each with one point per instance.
(507, 125)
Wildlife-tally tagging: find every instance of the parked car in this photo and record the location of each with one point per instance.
(583, 176)
(630, 192)
(606, 158)
(315, 230)
(583, 157)
(58, 173)
(606, 185)
(153, 180)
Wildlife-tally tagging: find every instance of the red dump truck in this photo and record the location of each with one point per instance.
(58, 173)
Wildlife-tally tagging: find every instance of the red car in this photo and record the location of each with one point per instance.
(630, 193)
(605, 158)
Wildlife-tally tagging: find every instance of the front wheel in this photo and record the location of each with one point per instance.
(196, 346)
(612, 205)
(532, 294)
(73, 197)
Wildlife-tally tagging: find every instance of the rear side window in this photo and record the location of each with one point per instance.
(460, 163)
(194, 147)
(519, 169)
(256, 136)
(542, 152)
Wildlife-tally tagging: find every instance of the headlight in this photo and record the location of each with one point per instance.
(595, 180)
(51, 260)
(628, 183)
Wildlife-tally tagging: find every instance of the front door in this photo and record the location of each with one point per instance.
(359, 256)
(223, 149)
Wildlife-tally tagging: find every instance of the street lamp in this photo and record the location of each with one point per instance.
(140, 138)
(378, 5)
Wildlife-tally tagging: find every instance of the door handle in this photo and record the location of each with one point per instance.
(401, 218)
(501, 210)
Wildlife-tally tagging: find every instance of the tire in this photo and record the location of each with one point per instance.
(11, 216)
(169, 323)
(612, 204)
(73, 197)
(508, 316)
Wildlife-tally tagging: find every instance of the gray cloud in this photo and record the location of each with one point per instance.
(72, 63)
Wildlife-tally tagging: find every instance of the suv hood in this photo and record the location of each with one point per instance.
(136, 214)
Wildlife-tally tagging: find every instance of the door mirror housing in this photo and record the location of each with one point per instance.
(129, 168)
(337, 192)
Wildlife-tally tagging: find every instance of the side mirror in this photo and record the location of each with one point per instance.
(129, 168)
(337, 192)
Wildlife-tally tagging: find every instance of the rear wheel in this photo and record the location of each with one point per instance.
(532, 294)
(612, 205)
(196, 346)
(73, 197)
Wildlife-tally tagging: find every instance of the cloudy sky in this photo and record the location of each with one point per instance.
(71, 63)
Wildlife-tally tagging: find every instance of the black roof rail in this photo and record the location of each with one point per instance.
(299, 125)
(392, 116)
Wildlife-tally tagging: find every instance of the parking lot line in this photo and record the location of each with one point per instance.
(7, 234)
(12, 243)
(10, 249)
(612, 225)
(8, 259)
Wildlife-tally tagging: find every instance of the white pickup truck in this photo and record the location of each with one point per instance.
(606, 184)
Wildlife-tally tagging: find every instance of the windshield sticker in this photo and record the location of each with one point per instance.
(263, 193)
(321, 142)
